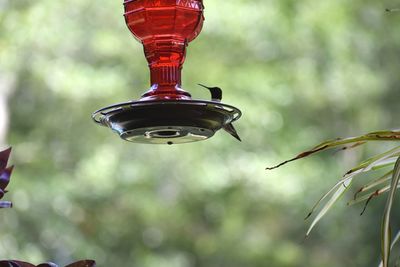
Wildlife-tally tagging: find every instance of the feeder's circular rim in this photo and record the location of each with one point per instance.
(101, 113)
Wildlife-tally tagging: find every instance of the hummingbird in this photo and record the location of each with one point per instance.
(216, 93)
(216, 96)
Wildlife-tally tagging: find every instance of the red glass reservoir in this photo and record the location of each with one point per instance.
(165, 27)
(166, 114)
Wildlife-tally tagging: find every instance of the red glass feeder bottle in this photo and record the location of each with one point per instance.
(166, 114)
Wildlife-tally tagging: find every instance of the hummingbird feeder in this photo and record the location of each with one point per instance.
(166, 114)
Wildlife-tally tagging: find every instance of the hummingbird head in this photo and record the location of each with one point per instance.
(216, 92)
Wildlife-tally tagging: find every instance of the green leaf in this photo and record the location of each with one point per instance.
(366, 166)
(369, 195)
(379, 161)
(395, 240)
(385, 235)
(386, 177)
(391, 135)
(339, 192)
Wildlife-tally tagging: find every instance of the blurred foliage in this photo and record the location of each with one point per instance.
(301, 71)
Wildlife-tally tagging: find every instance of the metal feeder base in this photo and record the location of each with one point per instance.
(166, 122)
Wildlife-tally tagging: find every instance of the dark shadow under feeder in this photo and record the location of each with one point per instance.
(166, 114)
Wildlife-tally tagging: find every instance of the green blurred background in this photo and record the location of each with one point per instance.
(301, 72)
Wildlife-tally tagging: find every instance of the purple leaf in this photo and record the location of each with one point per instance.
(83, 263)
(5, 177)
(15, 264)
(23, 263)
(47, 264)
(5, 204)
(5, 174)
(4, 156)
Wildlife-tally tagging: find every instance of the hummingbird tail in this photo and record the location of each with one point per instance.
(232, 131)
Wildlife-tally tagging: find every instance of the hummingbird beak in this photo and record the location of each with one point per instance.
(202, 85)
